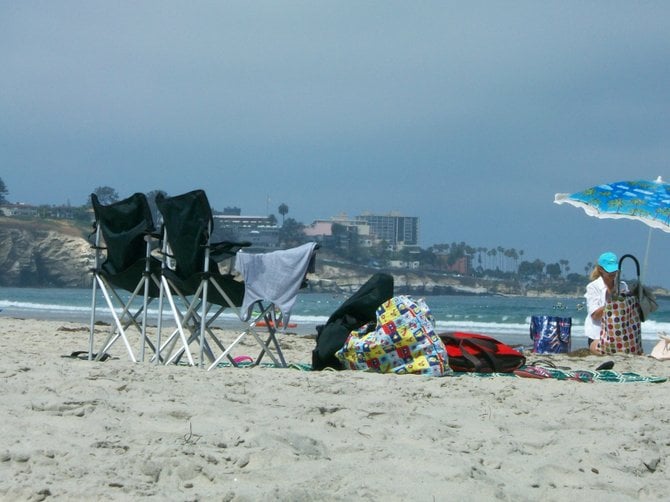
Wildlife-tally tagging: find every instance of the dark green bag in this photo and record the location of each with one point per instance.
(359, 310)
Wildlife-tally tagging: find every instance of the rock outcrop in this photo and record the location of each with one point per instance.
(343, 278)
(43, 258)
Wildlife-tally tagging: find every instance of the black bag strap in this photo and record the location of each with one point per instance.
(618, 277)
(637, 263)
(485, 347)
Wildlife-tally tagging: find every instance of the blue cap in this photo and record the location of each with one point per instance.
(609, 262)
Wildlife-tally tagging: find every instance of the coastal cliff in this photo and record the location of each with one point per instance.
(58, 254)
(34, 257)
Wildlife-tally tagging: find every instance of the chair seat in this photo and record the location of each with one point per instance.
(189, 286)
(128, 278)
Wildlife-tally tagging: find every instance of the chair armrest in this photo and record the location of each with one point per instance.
(226, 249)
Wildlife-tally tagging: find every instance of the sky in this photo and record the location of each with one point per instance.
(469, 115)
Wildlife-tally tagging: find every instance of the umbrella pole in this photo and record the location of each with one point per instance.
(646, 258)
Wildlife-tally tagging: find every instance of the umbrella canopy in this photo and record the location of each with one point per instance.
(641, 200)
(645, 201)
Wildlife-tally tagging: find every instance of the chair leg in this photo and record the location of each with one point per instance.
(143, 335)
(179, 322)
(92, 330)
(272, 323)
(272, 338)
(215, 339)
(251, 330)
(117, 321)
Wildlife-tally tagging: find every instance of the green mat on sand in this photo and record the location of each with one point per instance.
(523, 372)
(576, 375)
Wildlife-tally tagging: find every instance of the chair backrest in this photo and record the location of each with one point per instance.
(124, 225)
(188, 222)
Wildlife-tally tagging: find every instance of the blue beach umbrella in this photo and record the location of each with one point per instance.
(641, 200)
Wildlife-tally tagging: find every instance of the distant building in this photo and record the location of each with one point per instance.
(319, 228)
(404, 264)
(340, 231)
(460, 266)
(399, 231)
(11, 210)
(261, 231)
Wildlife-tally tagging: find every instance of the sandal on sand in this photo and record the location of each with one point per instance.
(531, 371)
(83, 354)
(547, 364)
(607, 365)
(542, 362)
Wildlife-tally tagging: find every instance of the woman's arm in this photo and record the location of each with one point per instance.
(595, 301)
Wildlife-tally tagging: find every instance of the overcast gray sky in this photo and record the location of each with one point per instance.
(470, 115)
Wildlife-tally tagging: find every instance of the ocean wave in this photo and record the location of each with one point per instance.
(29, 306)
(492, 316)
(650, 329)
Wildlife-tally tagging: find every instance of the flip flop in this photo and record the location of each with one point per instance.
(533, 372)
(542, 362)
(83, 355)
(607, 365)
(546, 363)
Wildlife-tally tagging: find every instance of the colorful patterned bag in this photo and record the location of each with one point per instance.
(402, 341)
(621, 329)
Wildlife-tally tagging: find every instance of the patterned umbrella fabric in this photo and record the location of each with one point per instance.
(645, 201)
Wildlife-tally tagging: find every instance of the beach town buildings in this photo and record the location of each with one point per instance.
(15, 210)
(397, 231)
(28, 211)
(261, 231)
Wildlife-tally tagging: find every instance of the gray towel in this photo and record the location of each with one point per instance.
(274, 277)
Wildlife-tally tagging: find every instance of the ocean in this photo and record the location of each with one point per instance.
(504, 318)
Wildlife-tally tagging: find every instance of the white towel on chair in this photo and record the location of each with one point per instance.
(274, 277)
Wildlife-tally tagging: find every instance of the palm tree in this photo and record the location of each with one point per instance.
(492, 253)
(3, 192)
(283, 210)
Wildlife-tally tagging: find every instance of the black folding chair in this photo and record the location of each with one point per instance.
(191, 278)
(124, 234)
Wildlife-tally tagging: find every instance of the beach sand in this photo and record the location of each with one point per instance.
(117, 430)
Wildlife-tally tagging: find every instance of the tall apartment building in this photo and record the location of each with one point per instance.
(398, 231)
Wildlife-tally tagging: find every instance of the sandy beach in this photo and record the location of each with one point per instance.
(117, 430)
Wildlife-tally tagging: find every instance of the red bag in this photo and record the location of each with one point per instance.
(480, 353)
